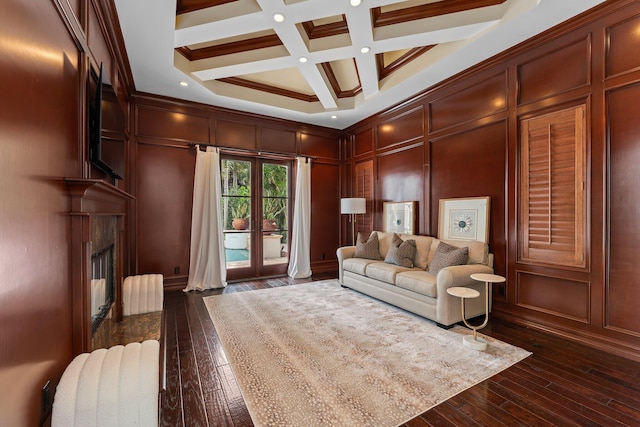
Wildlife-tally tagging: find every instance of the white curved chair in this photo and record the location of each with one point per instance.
(142, 294)
(110, 387)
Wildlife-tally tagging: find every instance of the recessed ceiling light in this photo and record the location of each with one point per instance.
(355, 3)
(278, 17)
(365, 49)
(183, 83)
(303, 59)
(334, 117)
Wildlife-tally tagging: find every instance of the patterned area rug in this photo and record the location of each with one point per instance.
(320, 355)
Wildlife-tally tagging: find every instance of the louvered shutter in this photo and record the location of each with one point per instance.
(552, 194)
(364, 188)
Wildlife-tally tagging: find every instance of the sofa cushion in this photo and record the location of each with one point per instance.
(367, 248)
(423, 247)
(447, 255)
(401, 252)
(356, 265)
(478, 251)
(384, 272)
(421, 282)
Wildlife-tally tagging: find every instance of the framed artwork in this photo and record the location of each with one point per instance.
(464, 219)
(399, 217)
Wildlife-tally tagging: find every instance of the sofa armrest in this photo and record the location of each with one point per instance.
(448, 309)
(342, 254)
(459, 275)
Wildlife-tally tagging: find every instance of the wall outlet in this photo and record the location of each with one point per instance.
(176, 270)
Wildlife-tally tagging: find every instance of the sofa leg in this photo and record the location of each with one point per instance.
(445, 326)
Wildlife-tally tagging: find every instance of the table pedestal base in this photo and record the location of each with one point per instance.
(479, 344)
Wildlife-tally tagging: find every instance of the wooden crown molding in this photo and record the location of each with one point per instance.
(430, 10)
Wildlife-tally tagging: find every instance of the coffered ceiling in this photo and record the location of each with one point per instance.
(324, 62)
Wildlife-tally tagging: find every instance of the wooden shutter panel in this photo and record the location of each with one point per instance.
(552, 188)
(364, 188)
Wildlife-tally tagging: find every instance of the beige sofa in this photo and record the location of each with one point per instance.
(415, 289)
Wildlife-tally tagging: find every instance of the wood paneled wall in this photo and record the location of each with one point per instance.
(164, 166)
(461, 138)
(44, 54)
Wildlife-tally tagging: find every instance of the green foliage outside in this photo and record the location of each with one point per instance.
(274, 194)
(236, 188)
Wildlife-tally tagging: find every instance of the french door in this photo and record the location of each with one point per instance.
(256, 214)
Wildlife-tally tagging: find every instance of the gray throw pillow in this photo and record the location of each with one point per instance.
(367, 248)
(447, 255)
(401, 252)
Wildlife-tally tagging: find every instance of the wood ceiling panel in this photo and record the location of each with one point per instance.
(184, 6)
(230, 48)
(316, 30)
(398, 16)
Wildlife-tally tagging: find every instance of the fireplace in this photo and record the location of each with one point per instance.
(102, 285)
(97, 229)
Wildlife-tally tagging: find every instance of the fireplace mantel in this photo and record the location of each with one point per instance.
(91, 198)
(96, 196)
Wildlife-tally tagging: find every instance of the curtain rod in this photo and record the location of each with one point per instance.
(248, 150)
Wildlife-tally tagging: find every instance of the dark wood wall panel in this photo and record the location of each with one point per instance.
(484, 98)
(555, 70)
(322, 146)
(325, 212)
(277, 140)
(236, 135)
(167, 124)
(165, 171)
(472, 164)
(346, 148)
(42, 139)
(400, 177)
(559, 297)
(363, 142)
(406, 127)
(76, 7)
(622, 41)
(623, 286)
(163, 229)
(96, 40)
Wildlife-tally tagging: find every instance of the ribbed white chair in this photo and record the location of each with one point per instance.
(110, 387)
(142, 294)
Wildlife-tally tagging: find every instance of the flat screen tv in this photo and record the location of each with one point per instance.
(106, 127)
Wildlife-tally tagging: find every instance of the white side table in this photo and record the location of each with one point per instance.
(473, 341)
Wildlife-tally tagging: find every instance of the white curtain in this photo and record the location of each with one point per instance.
(207, 265)
(300, 260)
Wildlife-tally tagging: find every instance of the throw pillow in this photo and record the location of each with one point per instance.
(367, 248)
(447, 255)
(401, 252)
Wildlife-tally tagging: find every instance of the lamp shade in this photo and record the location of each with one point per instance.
(353, 205)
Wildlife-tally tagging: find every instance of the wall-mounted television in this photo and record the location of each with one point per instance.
(106, 126)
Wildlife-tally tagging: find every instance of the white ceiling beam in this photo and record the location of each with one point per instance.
(294, 13)
(361, 36)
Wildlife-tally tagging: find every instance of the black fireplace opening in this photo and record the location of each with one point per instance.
(102, 285)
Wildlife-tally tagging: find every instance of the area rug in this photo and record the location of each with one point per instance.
(317, 354)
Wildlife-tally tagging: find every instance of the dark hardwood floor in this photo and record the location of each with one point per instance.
(562, 384)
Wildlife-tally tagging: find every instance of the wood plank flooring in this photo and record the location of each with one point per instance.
(562, 384)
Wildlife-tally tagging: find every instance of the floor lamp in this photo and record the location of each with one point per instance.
(353, 206)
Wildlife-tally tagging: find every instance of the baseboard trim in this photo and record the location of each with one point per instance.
(598, 342)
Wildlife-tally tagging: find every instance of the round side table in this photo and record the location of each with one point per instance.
(474, 341)
(463, 293)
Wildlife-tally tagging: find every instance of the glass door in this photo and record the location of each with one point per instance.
(236, 213)
(255, 206)
(275, 217)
